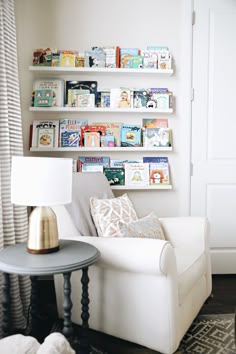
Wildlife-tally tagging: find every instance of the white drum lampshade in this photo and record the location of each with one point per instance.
(41, 182)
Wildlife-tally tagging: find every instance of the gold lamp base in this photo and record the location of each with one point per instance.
(43, 232)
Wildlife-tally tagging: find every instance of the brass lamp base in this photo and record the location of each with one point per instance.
(43, 233)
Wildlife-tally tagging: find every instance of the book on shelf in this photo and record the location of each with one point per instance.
(103, 98)
(112, 59)
(95, 58)
(92, 168)
(120, 97)
(67, 59)
(158, 169)
(92, 139)
(108, 141)
(112, 128)
(70, 132)
(101, 129)
(139, 98)
(156, 137)
(150, 59)
(93, 160)
(39, 125)
(43, 56)
(130, 135)
(57, 87)
(46, 137)
(136, 174)
(72, 96)
(127, 52)
(159, 98)
(43, 98)
(155, 123)
(85, 100)
(121, 163)
(115, 175)
(90, 86)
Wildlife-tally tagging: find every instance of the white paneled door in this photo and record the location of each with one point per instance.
(213, 182)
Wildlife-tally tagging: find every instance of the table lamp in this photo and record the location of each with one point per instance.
(41, 183)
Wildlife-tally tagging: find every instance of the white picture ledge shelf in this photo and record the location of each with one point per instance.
(158, 186)
(98, 109)
(99, 149)
(49, 69)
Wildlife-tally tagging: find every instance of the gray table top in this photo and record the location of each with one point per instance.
(72, 255)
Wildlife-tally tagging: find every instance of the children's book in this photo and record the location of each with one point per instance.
(91, 86)
(96, 57)
(85, 100)
(150, 59)
(43, 98)
(120, 97)
(93, 160)
(158, 169)
(124, 52)
(130, 135)
(92, 139)
(70, 132)
(46, 137)
(72, 96)
(155, 122)
(159, 98)
(112, 129)
(139, 98)
(45, 124)
(112, 56)
(121, 163)
(115, 175)
(92, 168)
(108, 141)
(57, 87)
(156, 137)
(67, 59)
(101, 129)
(43, 56)
(136, 174)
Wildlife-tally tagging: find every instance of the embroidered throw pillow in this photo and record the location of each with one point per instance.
(107, 213)
(147, 227)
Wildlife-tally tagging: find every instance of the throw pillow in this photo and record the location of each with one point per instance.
(107, 213)
(147, 227)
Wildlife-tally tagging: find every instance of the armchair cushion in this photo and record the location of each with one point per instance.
(149, 227)
(107, 213)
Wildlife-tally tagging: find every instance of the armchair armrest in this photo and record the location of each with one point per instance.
(186, 231)
(136, 255)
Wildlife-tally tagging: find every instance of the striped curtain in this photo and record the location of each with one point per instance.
(13, 219)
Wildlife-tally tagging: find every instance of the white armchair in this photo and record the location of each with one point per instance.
(146, 291)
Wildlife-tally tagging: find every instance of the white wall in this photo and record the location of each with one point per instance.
(73, 24)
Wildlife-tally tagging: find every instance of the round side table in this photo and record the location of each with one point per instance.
(72, 256)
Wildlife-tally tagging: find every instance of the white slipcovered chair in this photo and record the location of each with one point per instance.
(146, 291)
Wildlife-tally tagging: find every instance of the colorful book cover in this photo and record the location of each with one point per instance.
(150, 59)
(101, 129)
(93, 160)
(57, 87)
(43, 98)
(70, 131)
(120, 98)
(136, 174)
(139, 98)
(91, 86)
(155, 122)
(72, 96)
(92, 139)
(156, 137)
(130, 135)
(45, 124)
(108, 141)
(46, 137)
(127, 51)
(67, 60)
(111, 60)
(158, 169)
(115, 175)
(96, 57)
(112, 128)
(158, 98)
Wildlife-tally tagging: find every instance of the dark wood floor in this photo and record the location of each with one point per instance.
(222, 300)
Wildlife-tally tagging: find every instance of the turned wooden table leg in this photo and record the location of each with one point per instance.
(67, 306)
(84, 342)
(6, 304)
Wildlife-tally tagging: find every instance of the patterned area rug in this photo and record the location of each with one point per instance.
(210, 334)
